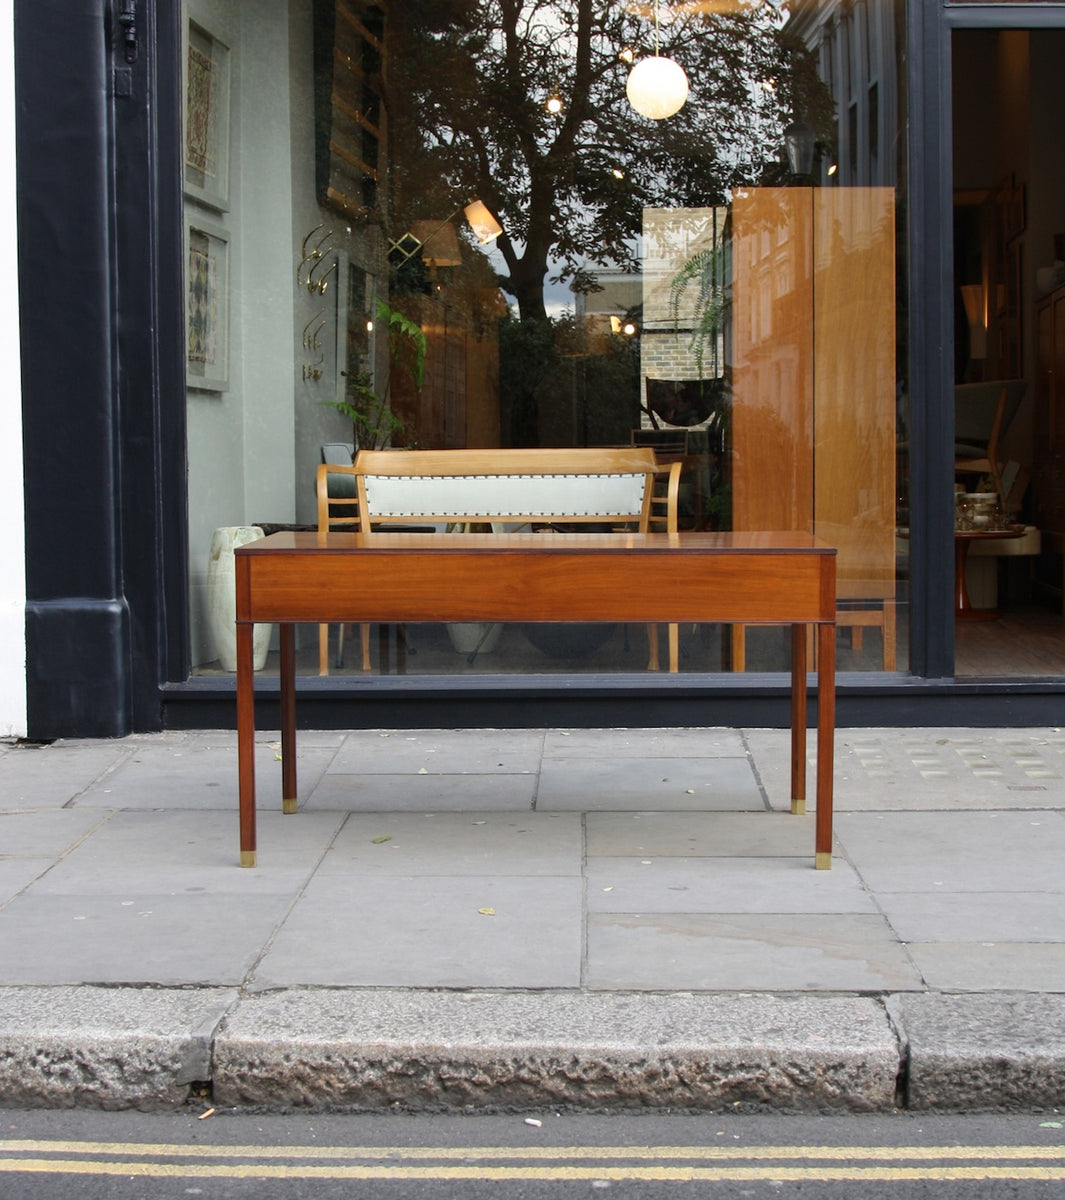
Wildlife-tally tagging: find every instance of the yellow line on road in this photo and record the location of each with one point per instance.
(133, 1168)
(714, 1153)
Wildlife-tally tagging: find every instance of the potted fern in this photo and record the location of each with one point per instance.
(368, 407)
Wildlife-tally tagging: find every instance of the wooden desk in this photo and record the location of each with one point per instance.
(753, 578)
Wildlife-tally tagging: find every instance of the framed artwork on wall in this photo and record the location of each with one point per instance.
(207, 306)
(207, 88)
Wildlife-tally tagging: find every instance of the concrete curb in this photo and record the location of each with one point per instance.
(66, 1047)
(377, 1048)
(126, 1047)
(991, 1050)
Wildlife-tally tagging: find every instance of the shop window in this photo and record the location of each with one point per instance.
(442, 230)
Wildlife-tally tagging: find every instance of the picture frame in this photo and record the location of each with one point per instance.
(206, 306)
(208, 80)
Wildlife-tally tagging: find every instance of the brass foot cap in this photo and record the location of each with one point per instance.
(798, 807)
(823, 861)
(289, 804)
(247, 858)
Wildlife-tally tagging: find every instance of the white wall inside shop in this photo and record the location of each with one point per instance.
(241, 440)
(12, 529)
(315, 379)
(254, 448)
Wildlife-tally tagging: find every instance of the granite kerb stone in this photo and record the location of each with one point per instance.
(389, 1048)
(981, 1051)
(106, 1047)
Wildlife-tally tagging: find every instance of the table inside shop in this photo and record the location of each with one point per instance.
(729, 578)
(963, 539)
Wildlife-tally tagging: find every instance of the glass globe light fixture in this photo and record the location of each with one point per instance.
(657, 87)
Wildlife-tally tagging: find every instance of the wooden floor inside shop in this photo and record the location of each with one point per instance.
(1022, 642)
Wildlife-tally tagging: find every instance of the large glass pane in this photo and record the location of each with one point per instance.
(1009, 267)
(453, 224)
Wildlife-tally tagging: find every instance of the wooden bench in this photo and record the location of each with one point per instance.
(502, 490)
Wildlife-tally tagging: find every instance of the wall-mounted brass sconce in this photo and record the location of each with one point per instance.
(312, 371)
(318, 283)
(311, 257)
(312, 329)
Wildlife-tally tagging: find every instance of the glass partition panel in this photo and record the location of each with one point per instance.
(465, 224)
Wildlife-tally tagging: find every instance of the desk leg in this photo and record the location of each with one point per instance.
(826, 738)
(798, 719)
(246, 742)
(289, 787)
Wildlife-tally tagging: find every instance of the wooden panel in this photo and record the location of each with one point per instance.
(772, 360)
(533, 577)
(854, 385)
(814, 373)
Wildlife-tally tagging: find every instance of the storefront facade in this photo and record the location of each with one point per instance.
(263, 215)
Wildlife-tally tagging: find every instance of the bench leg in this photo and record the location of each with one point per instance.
(798, 720)
(826, 737)
(289, 786)
(246, 742)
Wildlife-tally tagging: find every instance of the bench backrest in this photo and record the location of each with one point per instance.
(511, 487)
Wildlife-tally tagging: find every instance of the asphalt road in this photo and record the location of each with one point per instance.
(123, 1156)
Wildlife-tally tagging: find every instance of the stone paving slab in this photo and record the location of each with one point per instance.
(742, 951)
(723, 885)
(421, 793)
(662, 784)
(48, 832)
(644, 743)
(184, 853)
(947, 852)
(465, 843)
(968, 917)
(1037, 967)
(51, 776)
(927, 769)
(375, 1049)
(700, 835)
(18, 873)
(441, 752)
(151, 940)
(202, 777)
(430, 931)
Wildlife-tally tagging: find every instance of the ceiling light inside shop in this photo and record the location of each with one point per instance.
(657, 87)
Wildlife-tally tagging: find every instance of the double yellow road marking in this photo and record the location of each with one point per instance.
(559, 1163)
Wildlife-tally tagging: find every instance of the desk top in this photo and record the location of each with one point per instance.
(788, 542)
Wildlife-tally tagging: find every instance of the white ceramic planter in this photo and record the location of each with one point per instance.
(469, 637)
(222, 597)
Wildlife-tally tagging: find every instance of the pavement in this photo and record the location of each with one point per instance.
(534, 918)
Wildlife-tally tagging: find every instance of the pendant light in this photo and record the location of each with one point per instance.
(657, 87)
